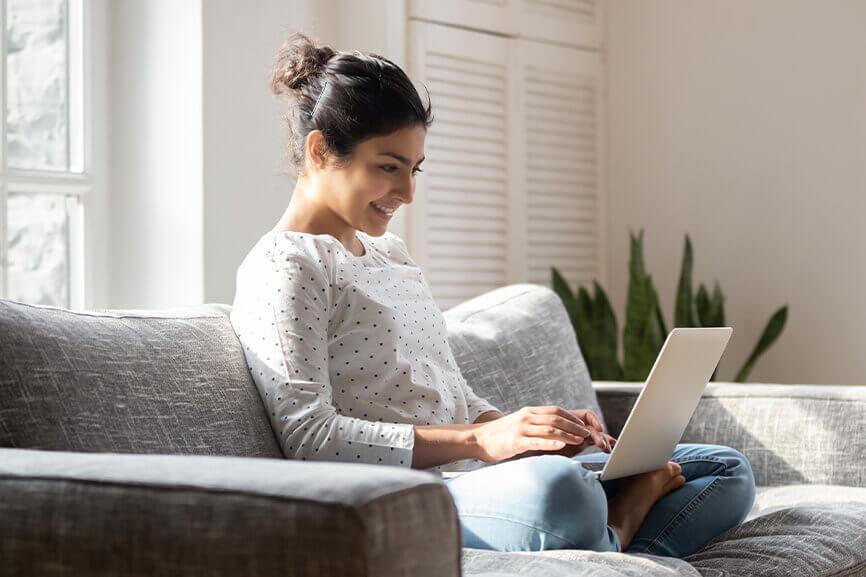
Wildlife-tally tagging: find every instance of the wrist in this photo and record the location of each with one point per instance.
(470, 441)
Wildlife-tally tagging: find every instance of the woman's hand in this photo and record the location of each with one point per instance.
(545, 429)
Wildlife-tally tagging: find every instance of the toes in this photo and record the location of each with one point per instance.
(676, 482)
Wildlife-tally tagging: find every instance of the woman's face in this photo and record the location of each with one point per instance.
(382, 171)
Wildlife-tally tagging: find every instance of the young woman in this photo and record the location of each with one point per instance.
(350, 354)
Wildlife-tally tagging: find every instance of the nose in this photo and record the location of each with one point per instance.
(405, 195)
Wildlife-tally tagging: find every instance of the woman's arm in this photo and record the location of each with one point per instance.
(440, 444)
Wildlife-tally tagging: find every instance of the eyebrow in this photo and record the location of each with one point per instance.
(401, 158)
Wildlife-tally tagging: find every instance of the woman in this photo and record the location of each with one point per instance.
(350, 353)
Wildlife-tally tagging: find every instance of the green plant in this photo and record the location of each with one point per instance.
(644, 332)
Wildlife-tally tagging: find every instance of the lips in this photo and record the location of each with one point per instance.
(380, 213)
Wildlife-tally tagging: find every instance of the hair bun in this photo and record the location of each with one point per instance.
(298, 61)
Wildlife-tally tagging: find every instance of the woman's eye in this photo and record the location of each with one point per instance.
(391, 168)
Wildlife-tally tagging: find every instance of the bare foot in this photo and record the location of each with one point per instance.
(629, 508)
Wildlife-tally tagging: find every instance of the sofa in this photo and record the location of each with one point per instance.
(134, 442)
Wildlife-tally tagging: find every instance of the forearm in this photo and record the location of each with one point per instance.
(440, 444)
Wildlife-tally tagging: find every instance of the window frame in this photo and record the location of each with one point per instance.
(76, 183)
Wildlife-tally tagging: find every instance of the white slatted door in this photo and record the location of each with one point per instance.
(562, 178)
(491, 15)
(572, 22)
(459, 222)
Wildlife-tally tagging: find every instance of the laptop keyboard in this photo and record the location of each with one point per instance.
(593, 466)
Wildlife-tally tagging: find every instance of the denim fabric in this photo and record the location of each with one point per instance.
(552, 502)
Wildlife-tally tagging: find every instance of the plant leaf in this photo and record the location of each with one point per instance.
(717, 307)
(702, 303)
(637, 310)
(685, 314)
(606, 335)
(768, 337)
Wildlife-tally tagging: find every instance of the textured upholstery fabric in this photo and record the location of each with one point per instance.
(172, 381)
(792, 434)
(515, 346)
(770, 499)
(123, 515)
(818, 540)
(572, 563)
(175, 381)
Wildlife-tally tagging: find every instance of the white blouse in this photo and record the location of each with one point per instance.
(348, 352)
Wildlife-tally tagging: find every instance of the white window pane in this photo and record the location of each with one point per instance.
(38, 226)
(37, 99)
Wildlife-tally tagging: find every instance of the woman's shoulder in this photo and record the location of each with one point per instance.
(394, 247)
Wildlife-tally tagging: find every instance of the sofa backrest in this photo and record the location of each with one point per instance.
(516, 346)
(176, 380)
(171, 381)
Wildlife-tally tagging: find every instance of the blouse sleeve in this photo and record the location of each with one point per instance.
(477, 405)
(286, 345)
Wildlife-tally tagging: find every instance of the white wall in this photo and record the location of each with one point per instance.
(155, 135)
(744, 123)
(247, 178)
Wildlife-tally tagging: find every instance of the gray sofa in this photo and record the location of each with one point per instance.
(135, 443)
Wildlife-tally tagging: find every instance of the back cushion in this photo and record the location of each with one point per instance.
(515, 346)
(172, 381)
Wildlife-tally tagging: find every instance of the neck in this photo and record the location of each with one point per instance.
(304, 215)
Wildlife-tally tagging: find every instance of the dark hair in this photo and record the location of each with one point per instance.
(359, 96)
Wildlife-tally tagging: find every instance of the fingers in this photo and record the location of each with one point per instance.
(588, 426)
(552, 433)
(543, 444)
(560, 423)
(593, 421)
(559, 411)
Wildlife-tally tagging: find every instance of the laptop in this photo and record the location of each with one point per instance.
(666, 403)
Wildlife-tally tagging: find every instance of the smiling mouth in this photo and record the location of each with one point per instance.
(381, 213)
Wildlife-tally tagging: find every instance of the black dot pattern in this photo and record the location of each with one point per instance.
(348, 352)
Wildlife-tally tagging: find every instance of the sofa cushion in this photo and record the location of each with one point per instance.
(572, 563)
(515, 346)
(807, 541)
(769, 499)
(70, 513)
(171, 381)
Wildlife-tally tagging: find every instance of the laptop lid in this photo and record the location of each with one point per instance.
(667, 401)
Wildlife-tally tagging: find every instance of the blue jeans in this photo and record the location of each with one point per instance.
(552, 502)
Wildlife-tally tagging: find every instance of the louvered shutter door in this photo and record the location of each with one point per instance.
(492, 15)
(459, 222)
(574, 22)
(561, 133)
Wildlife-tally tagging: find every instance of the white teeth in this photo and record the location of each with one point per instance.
(383, 209)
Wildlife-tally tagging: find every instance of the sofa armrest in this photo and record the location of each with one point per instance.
(790, 433)
(130, 514)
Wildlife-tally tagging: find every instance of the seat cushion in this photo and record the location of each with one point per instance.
(803, 530)
(816, 540)
(769, 499)
(571, 563)
(515, 346)
(127, 381)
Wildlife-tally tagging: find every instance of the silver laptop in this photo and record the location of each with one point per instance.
(666, 403)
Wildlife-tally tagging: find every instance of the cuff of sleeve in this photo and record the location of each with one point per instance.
(404, 444)
(477, 409)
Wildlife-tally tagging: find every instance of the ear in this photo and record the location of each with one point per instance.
(316, 149)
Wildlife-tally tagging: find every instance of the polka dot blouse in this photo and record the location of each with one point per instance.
(348, 352)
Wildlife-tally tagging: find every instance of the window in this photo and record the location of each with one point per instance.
(44, 173)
